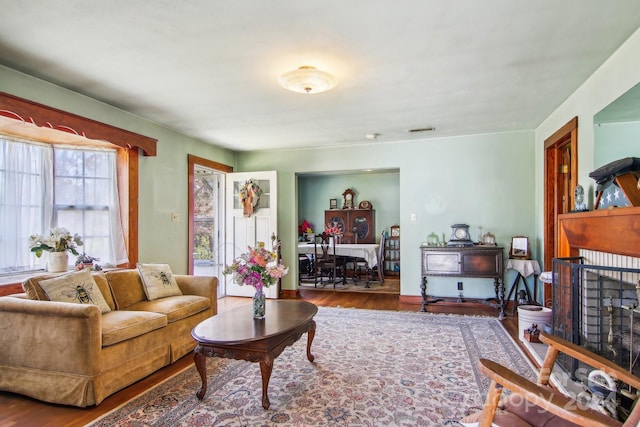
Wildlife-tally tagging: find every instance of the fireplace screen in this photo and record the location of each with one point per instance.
(596, 307)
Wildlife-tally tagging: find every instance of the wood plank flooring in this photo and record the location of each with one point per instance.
(16, 410)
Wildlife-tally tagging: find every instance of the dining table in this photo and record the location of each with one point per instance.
(370, 252)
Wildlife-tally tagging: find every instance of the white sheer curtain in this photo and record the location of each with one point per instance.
(117, 244)
(38, 192)
(26, 204)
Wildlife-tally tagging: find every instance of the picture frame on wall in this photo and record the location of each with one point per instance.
(333, 203)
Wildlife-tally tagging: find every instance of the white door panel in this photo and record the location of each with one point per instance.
(247, 231)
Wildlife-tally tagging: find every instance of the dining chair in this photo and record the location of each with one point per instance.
(361, 266)
(328, 267)
(374, 276)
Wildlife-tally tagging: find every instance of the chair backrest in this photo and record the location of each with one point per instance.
(381, 250)
(324, 246)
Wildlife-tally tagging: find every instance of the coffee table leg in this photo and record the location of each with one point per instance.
(200, 360)
(311, 333)
(266, 366)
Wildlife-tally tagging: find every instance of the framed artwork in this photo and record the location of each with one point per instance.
(520, 248)
(333, 203)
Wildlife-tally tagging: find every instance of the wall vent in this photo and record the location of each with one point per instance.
(428, 129)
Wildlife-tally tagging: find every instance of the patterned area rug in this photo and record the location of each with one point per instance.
(371, 368)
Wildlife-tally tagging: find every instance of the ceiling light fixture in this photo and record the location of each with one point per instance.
(307, 79)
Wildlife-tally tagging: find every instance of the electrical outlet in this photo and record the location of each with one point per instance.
(414, 217)
(175, 217)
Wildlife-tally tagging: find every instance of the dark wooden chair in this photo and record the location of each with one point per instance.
(362, 268)
(532, 404)
(328, 267)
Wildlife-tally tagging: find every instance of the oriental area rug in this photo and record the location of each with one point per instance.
(371, 368)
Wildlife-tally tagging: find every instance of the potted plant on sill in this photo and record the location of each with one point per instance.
(86, 261)
(57, 244)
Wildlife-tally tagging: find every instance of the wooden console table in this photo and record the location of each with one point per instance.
(465, 261)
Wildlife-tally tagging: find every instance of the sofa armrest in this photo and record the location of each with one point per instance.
(49, 335)
(204, 286)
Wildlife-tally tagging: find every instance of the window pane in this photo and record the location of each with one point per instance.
(84, 190)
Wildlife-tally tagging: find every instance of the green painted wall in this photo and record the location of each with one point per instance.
(481, 180)
(163, 178)
(616, 76)
(615, 141)
(381, 189)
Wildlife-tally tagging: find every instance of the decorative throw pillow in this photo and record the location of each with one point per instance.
(158, 281)
(78, 287)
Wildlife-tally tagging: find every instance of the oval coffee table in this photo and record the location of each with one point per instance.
(235, 334)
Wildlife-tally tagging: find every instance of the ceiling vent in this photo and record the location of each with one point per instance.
(428, 129)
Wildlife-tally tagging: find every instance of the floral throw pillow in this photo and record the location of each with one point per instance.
(158, 281)
(78, 287)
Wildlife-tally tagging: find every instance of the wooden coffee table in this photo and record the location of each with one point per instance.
(235, 334)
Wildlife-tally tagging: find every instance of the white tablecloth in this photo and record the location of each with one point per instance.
(367, 251)
(526, 267)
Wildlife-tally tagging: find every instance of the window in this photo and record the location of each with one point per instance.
(51, 185)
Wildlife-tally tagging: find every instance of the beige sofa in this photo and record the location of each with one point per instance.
(72, 354)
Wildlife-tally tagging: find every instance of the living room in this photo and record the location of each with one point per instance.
(490, 179)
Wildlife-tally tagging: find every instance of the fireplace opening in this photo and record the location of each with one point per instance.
(596, 307)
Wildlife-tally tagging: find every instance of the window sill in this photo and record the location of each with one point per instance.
(18, 278)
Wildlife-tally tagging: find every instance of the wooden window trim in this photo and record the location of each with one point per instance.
(127, 144)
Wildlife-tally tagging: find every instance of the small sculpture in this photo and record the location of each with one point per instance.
(581, 206)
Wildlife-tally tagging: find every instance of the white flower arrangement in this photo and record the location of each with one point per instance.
(58, 240)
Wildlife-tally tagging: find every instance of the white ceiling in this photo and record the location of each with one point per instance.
(209, 68)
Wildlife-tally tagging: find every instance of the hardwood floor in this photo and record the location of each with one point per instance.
(21, 411)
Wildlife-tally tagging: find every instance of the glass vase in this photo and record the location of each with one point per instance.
(258, 304)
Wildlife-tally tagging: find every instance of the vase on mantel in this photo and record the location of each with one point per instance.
(57, 262)
(258, 304)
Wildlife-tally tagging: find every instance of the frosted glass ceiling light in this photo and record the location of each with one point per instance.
(307, 79)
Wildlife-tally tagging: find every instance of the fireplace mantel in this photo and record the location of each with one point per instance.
(615, 231)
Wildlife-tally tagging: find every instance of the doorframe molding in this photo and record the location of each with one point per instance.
(192, 162)
(566, 135)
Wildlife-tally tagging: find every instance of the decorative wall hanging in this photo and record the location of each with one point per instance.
(249, 196)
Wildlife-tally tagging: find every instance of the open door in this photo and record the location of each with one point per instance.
(246, 228)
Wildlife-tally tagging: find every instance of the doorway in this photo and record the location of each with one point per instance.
(206, 218)
(561, 178)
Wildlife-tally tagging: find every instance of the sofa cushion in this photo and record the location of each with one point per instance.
(175, 308)
(78, 287)
(121, 325)
(126, 287)
(34, 291)
(158, 281)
